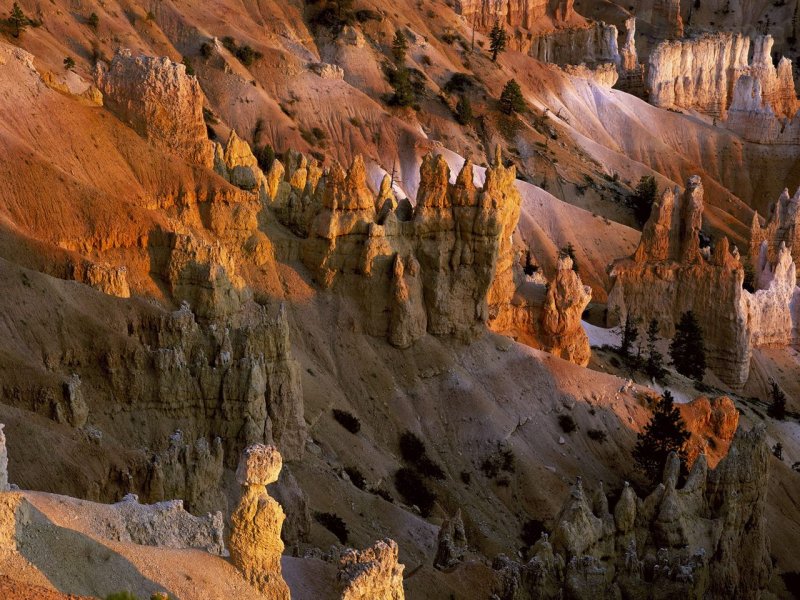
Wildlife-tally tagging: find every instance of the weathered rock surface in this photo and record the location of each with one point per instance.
(712, 424)
(782, 227)
(255, 542)
(631, 71)
(669, 275)
(666, 19)
(371, 574)
(698, 73)
(160, 101)
(4, 487)
(562, 333)
(451, 543)
(706, 539)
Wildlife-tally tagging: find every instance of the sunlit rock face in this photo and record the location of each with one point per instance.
(669, 274)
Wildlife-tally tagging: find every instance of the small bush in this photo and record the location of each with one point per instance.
(598, 435)
(502, 460)
(347, 420)
(567, 423)
(265, 155)
(532, 530)
(93, 21)
(364, 15)
(69, 63)
(356, 477)
(414, 490)
(383, 494)
(333, 523)
(206, 50)
(466, 477)
(458, 83)
(121, 596)
(413, 451)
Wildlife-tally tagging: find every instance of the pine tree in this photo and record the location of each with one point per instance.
(512, 100)
(777, 409)
(630, 333)
(666, 432)
(643, 198)
(18, 21)
(399, 47)
(654, 366)
(686, 349)
(498, 38)
(463, 110)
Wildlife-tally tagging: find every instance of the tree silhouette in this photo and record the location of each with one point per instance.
(654, 365)
(399, 47)
(666, 432)
(777, 409)
(18, 21)
(498, 38)
(686, 349)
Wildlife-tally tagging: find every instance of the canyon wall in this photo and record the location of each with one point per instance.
(669, 274)
(697, 74)
(706, 539)
(782, 227)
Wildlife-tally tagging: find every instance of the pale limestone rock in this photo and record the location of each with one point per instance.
(255, 541)
(697, 73)
(238, 165)
(4, 487)
(159, 101)
(168, 525)
(371, 574)
(327, 70)
(408, 319)
(782, 227)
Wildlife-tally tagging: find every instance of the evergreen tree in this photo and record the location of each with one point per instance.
(404, 94)
(463, 110)
(498, 38)
(93, 21)
(643, 198)
(666, 432)
(511, 100)
(69, 63)
(630, 333)
(569, 250)
(399, 47)
(18, 21)
(777, 409)
(654, 366)
(686, 349)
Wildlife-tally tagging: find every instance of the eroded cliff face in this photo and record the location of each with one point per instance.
(666, 19)
(706, 539)
(697, 74)
(562, 333)
(669, 275)
(782, 227)
(160, 101)
(371, 574)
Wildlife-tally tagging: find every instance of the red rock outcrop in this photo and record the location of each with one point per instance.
(706, 539)
(255, 541)
(160, 101)
(712, 424)
(669, 274)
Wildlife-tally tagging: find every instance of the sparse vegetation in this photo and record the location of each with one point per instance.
(413, 451)
(245, 54)
(511, 99)
(643, 198)
(463, 111)
(187, 62)
(630, 333)
(347, 420)
(18, 21)
(498, 38)
(687, 350)
(569, 251)
(206, 50)
(654, 364)
(414, 490)
(356, 477)
(598, 435)
(567, 423)
(265, 155)
(664, 433)
(498, 462)
(458, 83)
(93, 21)
(532, 530)
(399, 47)
(333, 523)
(749, 282)
(69, 63)
(777, 407)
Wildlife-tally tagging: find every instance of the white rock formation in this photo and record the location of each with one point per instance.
(4, 487)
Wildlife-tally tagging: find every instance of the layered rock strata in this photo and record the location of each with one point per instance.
(706, 539)
(697, 74)
(371, 574)
(669, 274)
(255, 542)
(160, 101)
(631, 71)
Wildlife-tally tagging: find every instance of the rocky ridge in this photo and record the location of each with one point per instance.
(670, 274)
(705, 539)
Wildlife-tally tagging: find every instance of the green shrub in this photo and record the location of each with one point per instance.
(356, 477)
(414, 490)
(567, 423)
(347, 420)
(598, 435)
(413, 451)
(333, 523)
